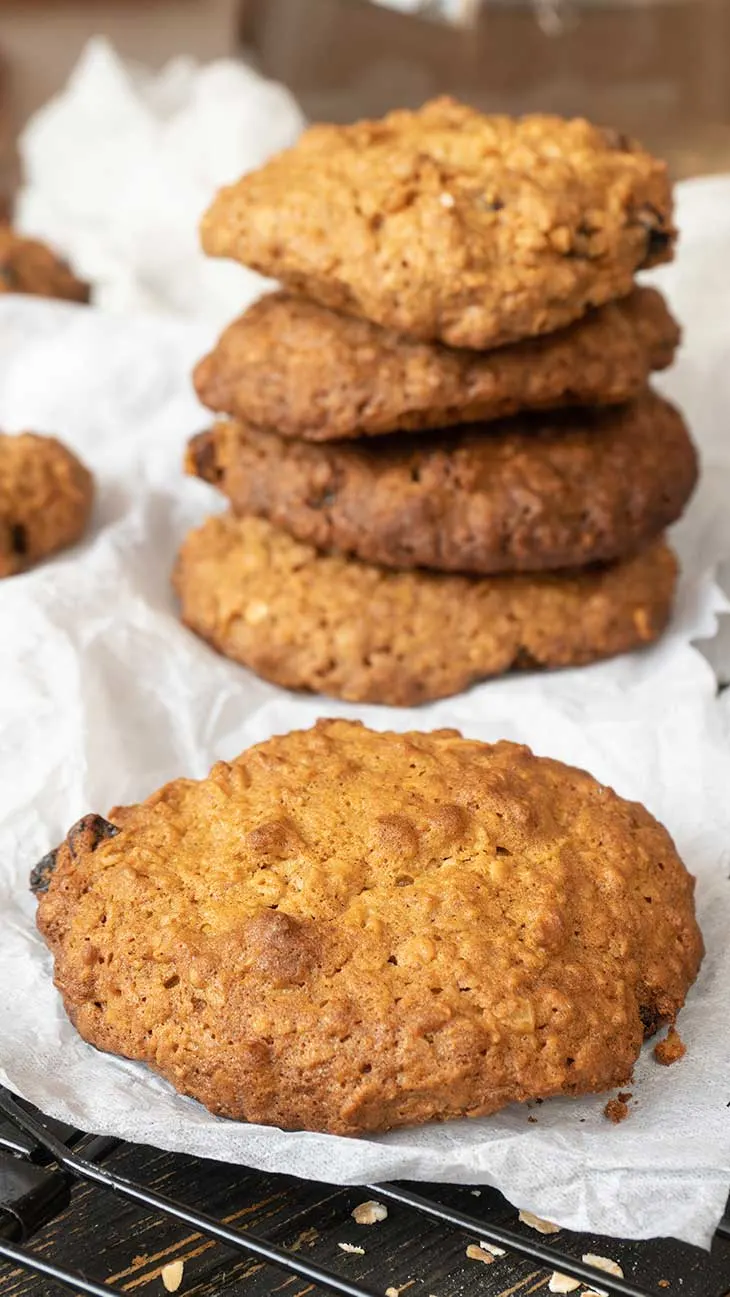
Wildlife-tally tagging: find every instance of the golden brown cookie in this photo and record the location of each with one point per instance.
(337, 626)
(444, 223)
(46, 495)
(535, 492)
(347, 931)
(27, 266)
(304, 371)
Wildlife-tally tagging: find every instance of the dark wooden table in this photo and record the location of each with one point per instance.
(115, 1242)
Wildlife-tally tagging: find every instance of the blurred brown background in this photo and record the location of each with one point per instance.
(658, 68)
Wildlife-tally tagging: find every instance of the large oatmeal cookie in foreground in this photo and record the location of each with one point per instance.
(348, 931)
(336, 626)
(448, 224)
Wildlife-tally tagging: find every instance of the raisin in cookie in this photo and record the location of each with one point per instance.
(346, 931)
(307, 372)
(448, 224)
(46, 495)
(337, 626)
(532, 493)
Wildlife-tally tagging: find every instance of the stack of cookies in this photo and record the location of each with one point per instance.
(440, 449)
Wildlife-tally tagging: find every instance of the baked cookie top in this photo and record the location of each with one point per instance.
(533, 492)
(448, 224)
(337, 626)
(46, 495)
(307, 372)
(348, 931)
(28, 266)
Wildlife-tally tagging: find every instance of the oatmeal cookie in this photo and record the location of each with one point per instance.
(533, 493)
(46, 495)
(337, 626)
(448, 224)
(305, 371)
(350, 931)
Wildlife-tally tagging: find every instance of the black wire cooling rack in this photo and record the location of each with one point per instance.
(43, 1162)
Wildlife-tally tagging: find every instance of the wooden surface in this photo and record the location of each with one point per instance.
(114, 1242)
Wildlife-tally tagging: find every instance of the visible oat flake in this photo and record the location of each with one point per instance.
(172, 1275)
(603, 1263)
(476, 1253)
(447, 200)
(256, 612)
(369, 1213)
(562, 1283)
(492, 1247)
(536, 1222)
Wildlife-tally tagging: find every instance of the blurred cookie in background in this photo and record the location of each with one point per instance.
(46, 495)
(29, 266)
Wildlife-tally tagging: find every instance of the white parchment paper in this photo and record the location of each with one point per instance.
(121, 165)
(103, 696)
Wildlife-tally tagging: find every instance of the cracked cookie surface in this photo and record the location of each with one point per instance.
(448, 224)
(350, 931)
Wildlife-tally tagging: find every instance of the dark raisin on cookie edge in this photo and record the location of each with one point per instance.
(84, 835)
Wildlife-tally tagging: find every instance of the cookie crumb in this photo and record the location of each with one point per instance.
(172, 1275)
(492, 1247)
(536, 1222)
(625, 1095)
(476, 1253)
(671, 1049)
(308, 1236)
(475, 1193)
(616, 1110)
(562, 1283)
(663, 1283)
(533, 1120)
(369, 1213)
(603, 1263)
(352, 1248)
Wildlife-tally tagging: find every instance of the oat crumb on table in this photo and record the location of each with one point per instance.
(536, 1222)
(492, 1247)
(562, 1283)
(369, 1213)
(172, 1275)
(476, 1253)
(671, 1049)
(604, 1263)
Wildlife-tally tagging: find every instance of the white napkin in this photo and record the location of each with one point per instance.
(120, 167)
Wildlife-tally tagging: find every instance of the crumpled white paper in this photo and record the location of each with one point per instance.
(103, 696)
(121, 165)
